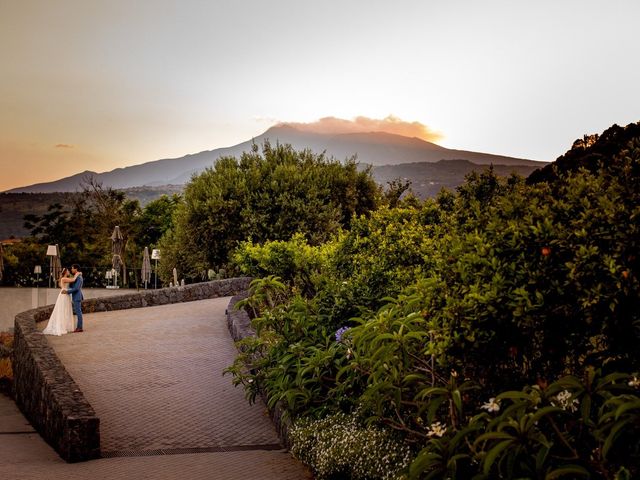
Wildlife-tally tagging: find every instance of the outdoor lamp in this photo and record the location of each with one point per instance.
(37, 269)
(52, 250)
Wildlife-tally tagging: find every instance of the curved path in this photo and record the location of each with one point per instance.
(154, 377)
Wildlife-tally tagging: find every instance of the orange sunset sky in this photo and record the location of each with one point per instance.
(96, 85)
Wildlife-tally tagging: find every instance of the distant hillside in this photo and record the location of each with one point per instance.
(14, 206)
(374, 148)
(427, 179)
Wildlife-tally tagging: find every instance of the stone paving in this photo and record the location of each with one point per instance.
(154, 377)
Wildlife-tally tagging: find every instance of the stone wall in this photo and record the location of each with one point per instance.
(239, 325)
(46, 393)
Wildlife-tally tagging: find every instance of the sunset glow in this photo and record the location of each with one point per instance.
(106, 84)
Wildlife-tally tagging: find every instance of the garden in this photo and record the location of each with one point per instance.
(486, 333)
(490, 332)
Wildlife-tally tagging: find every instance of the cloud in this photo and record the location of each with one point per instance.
(64, 145)
(390, 124)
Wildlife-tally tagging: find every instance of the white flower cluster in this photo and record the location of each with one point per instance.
(492, 405)
(565, 402)
(339, 446)
(436, 429)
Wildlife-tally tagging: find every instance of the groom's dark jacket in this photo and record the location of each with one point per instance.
(75, 290)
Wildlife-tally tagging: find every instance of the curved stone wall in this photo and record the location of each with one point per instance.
(239, 325)
(46, 393)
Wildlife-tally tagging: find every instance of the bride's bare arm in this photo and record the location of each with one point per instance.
(69, 280)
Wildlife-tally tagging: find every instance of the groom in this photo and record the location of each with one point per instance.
(75, 290)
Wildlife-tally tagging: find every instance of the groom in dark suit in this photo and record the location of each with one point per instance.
(75, 290)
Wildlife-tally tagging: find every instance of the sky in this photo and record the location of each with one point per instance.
(101, 84)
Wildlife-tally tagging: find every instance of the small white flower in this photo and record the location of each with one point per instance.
(492, 405)
(436, 429)
(565, 402)
(634, 382)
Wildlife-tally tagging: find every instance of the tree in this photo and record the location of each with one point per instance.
(154, 220)
(263, 196)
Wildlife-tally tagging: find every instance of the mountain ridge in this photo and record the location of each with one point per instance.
(373, 148)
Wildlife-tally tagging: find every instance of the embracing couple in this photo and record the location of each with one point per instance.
(69, 302)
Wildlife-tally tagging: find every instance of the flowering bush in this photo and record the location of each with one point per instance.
(574, 428)
(6, 369)
(341, 446)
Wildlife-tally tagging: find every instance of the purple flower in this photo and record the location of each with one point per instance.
(340, 332)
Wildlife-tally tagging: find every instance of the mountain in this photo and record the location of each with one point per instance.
(374, 148)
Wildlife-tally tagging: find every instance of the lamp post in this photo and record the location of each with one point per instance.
(37, 270)
(155, 255)
(107, 275)
(52, 251)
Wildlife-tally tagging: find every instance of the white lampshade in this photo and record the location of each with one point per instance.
(37, 269)
(155, 254)
(52, 250)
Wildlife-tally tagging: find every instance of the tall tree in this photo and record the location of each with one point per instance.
(268, 195)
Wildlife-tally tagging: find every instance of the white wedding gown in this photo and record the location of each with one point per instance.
(61, 320)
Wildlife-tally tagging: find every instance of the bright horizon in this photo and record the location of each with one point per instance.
(106, 84)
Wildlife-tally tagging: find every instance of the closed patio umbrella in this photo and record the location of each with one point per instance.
(117, 244)
(1, 261)
(146, 267)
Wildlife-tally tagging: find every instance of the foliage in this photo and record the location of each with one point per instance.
(576, 428)
(294, 261)
(6, 339)
(342, 446)
(293, 358)
(154, 220)
(19, 261)
(379, 256)
(82, 229)
(590, 152)
(502, 285)
(264, 196)
(6, 370)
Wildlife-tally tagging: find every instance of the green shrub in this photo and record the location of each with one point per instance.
(294, 261)
(452, 310)
(574, 428)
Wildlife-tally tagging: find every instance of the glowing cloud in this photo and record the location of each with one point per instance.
(64, 145)
(390, 124)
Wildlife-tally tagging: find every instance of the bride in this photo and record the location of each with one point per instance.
(61, 320)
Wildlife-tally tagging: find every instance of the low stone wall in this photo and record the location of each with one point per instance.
(239, 325)
(46, 393)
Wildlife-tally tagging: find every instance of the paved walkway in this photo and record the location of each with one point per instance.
(154, 377)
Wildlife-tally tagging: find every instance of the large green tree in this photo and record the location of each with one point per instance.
(267, 195)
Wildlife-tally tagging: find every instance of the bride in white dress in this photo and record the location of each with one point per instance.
(61, 320)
